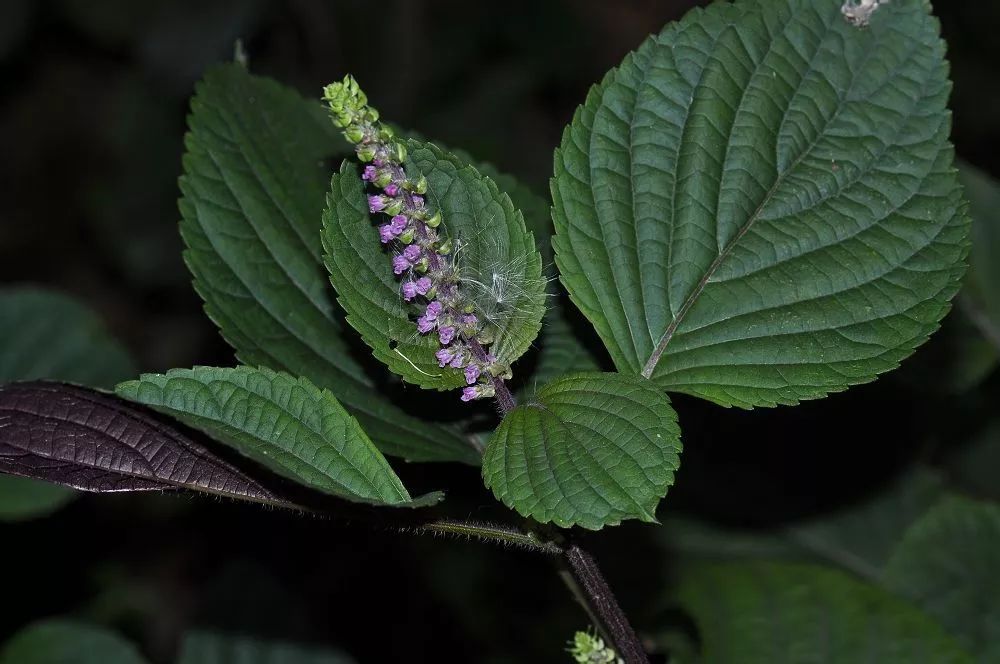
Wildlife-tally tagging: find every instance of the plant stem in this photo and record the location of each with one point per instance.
(504, 399)
(589, 585)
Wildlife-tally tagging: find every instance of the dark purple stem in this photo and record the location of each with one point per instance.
(602, 605)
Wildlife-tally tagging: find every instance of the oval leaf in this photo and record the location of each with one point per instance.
(253, 185)
(759, 205)
(947, 565)
(284, 423)
(770, 612)
(494, 247)
(590, 449)
(96, 442)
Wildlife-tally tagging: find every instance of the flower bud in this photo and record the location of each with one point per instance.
(422, 265)
(354, 134)
(406, 237)
(400, 152)
(386, 134)
(445, 248)
(366, 153)
(394, 206)
(420, 186)
(435, 220)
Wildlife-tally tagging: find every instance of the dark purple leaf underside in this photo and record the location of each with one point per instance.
(96, 442)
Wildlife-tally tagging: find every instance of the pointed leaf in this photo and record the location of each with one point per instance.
(947, 565)
(65, 642)
(253, 185)
(491, 237)
(96, 442)
(286, 424)
(210, 648)
(759, 205)
(590, 449)
(771, 612)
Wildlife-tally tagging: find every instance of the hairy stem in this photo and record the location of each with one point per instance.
(589, 584)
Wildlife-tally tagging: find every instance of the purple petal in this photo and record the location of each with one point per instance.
(434, 308)
(469, 320)
(412, 253)
(418, 202)
(423, 285)
(458, 361)
(400, 264)
(469, 393)
(398, 224)
(424, 325)
(472, 374)
(444, 356)
(446, 334)
(392, 189)
(409, 290)
(369, 174)
(385, 233)
(376, 203)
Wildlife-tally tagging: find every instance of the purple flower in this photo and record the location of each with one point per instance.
(424, 325)
(392, 189)
(412, 253)
(470, 393)
(386, 234)
(398, 224)
(469, 320)
(472, 374)
(379, 163)
(418, 202)
(409, 290)
(446, 334)
(444, 356)
(376, 203)
(369, 173)
(400, 264)
(433, 309)
(423, 285)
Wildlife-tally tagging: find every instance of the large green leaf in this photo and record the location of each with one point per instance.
(287, 424)
(759, 205)
(492, 240)
(64, 642)
(253, 189)
(947, 565)
(776, 613)
(211, 648)
(589, 449)
(44, 334)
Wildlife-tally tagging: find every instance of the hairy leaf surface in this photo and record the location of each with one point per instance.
(253, 188)
(589, 449)
(771, 612)
(287, 424)
(947, 565)
(759, 205)
(495, 252)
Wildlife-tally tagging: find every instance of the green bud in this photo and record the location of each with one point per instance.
(469, 308)
(420, 186)
(432, 293)
(366, 153)
(434, 220)
(400, 152)
(407, 236)
(371, 115)
(394, 207)
(422, 266)
(354, 134)
(382, 179)
(386, 134)
(445, 248)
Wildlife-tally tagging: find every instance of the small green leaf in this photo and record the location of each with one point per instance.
(64, 642)
(284, 423)
(759, 206)
(590, 449)
(255, 176)
(947, 565)
(781, 612)
(211, 648)
(491, 239)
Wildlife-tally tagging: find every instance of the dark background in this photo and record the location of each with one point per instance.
(93, 97)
